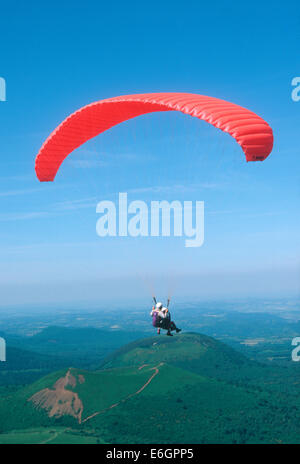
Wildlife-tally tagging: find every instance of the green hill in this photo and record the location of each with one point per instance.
(191, 350)
(206, 356)
(156, 390)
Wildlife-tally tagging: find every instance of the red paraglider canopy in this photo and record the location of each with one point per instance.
(252, 133)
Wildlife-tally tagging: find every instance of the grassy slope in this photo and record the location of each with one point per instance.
(182, 407)
(178, 406)
(17, 413)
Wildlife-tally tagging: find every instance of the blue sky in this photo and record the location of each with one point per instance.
(59, 56)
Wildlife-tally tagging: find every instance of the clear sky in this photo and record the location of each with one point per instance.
(58, 56)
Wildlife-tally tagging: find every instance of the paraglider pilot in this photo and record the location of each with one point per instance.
(161, 319)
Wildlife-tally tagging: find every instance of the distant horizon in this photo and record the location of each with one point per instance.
(82, 307)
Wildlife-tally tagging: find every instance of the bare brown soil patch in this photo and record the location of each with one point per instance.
(59, 401)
